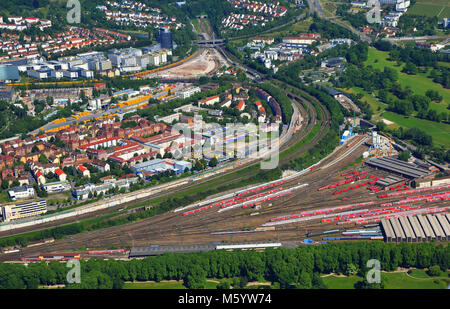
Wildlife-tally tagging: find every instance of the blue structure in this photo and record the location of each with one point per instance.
(9, 72)
(165, 38)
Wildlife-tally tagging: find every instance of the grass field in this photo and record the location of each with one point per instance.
(391, 281)
(430, 8)
(195, 23)
(420, 83)
(439, 131)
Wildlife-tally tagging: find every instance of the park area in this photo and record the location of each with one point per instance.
(438, 130)
(415, 279)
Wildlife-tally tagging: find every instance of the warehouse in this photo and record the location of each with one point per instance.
(444, 225)
(396, 166)
(436, 227)
(426, 228)
(420, 236)
(410, 236)
(388, 232)
(400, 235)
(417, 228)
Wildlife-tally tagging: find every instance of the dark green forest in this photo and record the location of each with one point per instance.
(290, 268)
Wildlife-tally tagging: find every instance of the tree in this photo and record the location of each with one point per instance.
(195, 277)
(433, 95)
(404, 156)
(5, 184)
(434, 271)
(351, 270)
(43, 159)
(213, 162)
(305, 280)
(410, 68)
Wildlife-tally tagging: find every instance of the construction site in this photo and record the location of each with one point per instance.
(205, 63)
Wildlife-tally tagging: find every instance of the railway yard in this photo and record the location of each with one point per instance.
(326, 199)
(338, 198)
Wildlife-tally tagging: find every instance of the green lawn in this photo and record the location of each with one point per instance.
(438, 130)
(420, 83)
(403, 281)
(166, 285)
(195, 23)
(391, 281)
(333, 282)
(422, 273)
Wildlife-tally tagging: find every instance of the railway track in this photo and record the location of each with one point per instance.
(167, 225)
(196, 228)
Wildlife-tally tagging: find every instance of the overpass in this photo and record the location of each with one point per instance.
(211, 43)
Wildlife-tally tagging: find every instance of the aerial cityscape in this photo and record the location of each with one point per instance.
(227, 144)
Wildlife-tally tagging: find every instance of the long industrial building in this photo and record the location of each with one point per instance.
(396, 166)
(141, 252)
(417, 228)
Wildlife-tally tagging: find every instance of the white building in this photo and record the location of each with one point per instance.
(18, 211)
(21, 192)
(187, 92)
(58, 186)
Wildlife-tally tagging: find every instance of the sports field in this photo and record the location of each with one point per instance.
(431, 8)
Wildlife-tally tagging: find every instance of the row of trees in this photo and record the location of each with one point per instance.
(291, 268)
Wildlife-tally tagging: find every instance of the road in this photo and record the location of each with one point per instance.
(315, 6)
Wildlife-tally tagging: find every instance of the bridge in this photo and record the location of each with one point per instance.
(217, 42)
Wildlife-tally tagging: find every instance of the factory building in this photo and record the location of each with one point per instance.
(157, 166)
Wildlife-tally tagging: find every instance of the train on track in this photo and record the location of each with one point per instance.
(53, 257)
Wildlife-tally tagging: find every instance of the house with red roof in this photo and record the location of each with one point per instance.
(84, 171)
(61, 175)
(209, 101)
(241, 105)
